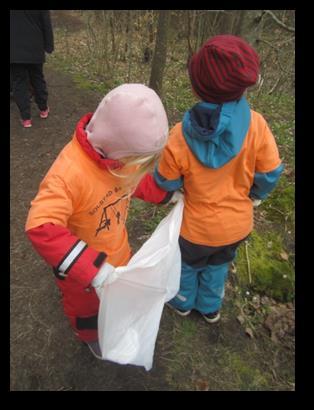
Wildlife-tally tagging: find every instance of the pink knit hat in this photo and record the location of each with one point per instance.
(130, 120)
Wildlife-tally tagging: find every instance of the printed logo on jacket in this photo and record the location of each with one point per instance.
(112, 211)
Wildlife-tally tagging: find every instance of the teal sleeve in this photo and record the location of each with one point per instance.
(264, 183)
(167, 184)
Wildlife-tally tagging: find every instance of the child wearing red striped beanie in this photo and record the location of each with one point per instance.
(225, 158)
(223, 69)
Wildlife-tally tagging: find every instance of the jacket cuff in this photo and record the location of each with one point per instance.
(85, 268)
(265, 182)
(167, 198)
(66, 253)
(167, 184)
(149, 191)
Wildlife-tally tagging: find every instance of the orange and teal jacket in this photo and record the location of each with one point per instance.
(223, 155)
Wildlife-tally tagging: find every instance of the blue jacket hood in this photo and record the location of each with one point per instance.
(215, 132)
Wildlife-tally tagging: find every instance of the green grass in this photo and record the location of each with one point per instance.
(279, 112)
(143, 218)
(185, 359)
(271, 274)
(216, 358)
(244, 372)
(281, 201)
(149, 214)
(178, 96)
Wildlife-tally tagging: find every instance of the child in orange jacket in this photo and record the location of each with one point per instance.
(225, 157)
(77, 220)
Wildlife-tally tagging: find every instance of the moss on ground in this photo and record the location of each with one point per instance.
(280, 206)
(262, 261)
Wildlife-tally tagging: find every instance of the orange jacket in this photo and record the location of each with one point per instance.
(81, 209)
(77, 221)
(218, 210)
(86, 199)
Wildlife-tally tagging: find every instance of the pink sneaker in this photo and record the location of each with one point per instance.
(44, 114)
(27, 123)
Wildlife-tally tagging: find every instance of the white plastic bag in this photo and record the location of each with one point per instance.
(132, 300)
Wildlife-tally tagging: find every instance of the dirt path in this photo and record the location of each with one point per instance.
(44, 352)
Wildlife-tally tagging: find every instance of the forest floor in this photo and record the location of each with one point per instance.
(189, 354)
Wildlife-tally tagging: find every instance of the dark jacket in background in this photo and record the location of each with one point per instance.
(31, 36)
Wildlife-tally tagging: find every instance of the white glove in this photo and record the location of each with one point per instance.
(176, 197)
(256, 202)
(102, 275)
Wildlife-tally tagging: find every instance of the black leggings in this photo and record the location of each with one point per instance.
(199, 256)
(25, 76)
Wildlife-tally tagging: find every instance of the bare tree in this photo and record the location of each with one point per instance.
(127, 28)
(238, 28)
(148, 50)
(254, 26)
(160, 54)
(190, 29)
(129, 46)
(227, 22)
(118, 43)
(201, 24)
(279, 22)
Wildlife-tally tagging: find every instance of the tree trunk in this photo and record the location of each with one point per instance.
(239, 23)
(112, 33)
(189, 33)
(148, 50)
(255, 26)
(129, 54)
(160, 54)
(127, 28)
(199, 31)
(227, 22)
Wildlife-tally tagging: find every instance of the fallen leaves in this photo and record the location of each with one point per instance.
(240, 319)
(289, 172)
(277, 318)
(202, 385)
(249, 332)
(256, 302)
(284, 256)
(280, 321)
(232, 268)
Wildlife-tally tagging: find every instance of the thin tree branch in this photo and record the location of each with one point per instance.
(277, 50)
(279, 22)
(275, 85)
(287, 41)
(248, 261)
(189, 34)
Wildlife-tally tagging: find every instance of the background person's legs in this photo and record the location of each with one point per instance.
(38, 82)
(20, 89)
